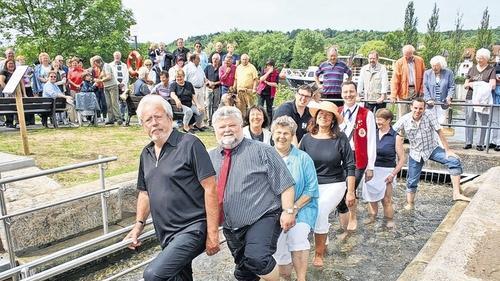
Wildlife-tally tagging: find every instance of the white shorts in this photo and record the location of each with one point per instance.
(296, 239)
(330, 195)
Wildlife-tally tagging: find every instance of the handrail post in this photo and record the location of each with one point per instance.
(6, 226)
(488, 132)
(104, 203)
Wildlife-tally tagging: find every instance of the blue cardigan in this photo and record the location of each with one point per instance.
(446, 85)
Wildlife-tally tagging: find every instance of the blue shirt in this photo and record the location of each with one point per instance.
(50, 90)
(301, 166)
(333, 76)
(386, 149)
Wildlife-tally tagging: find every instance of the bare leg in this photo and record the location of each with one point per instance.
(320, 247)
(455, 181)
(299, 260)
(372, 212)
(353, 218)
(387, 203)
(273, 275)
(343, 220)
(286, 271)
(410, 201)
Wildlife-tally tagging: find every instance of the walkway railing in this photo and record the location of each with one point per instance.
(6, 218)
(488, 127)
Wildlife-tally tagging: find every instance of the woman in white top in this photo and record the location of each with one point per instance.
(256, 121)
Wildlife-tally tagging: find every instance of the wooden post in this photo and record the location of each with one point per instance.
(21, 119)
(13, 87)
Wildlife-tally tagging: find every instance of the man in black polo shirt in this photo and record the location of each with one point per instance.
(298, 110)
(176, 184)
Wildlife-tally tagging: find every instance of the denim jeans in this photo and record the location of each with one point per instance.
(174, 261)
(438, 155)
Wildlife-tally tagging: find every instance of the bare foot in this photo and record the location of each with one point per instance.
(409, 207)
(369, 220)
(318, 261)
(352, 225)
(343, 236)
(390, 224)
(461, 197)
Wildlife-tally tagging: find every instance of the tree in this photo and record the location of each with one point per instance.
(307, 44)
(410, 33)
(76, 27)
(456, 44)
(377, 45)
(432, 40)
(484, 34)
(394, 42)
(274, 45)
(238, 37)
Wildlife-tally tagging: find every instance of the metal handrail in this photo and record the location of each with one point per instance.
(58, 203)
(85, 259)
(58, 170)
(6, 219)
(66, 251)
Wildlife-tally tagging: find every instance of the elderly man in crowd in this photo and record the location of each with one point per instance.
(213, 86)
(218, 50)
(196, 76)
(226, 74)
(420, 127)
(333, 72)
(176, 184)
(246, 80)
(373, 83)
(121, 74)
(407, 79)
(181, 50)
(256, 196)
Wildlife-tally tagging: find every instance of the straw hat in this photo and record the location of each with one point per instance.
(314, 107)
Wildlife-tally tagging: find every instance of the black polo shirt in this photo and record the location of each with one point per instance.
(212, 73)
(290, 109)
(185, 93)
(176, 197)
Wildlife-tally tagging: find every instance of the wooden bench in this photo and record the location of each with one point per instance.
(133, 102)
(35, 105)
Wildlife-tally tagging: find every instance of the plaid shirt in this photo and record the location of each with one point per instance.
(422, 134)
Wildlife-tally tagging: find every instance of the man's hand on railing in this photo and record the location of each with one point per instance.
(134, 235)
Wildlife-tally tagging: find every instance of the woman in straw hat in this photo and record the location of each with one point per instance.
(332, 155)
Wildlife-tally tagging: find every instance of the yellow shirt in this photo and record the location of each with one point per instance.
(245, 76)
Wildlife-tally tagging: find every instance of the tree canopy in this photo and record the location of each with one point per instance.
(76, 27)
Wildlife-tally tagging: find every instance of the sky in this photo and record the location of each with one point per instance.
(159, 20)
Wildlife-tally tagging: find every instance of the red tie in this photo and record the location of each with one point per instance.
(221, 183)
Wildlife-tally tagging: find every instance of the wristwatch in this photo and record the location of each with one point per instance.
(289, 211)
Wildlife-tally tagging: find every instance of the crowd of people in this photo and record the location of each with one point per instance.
(277, 175)
(272, 180)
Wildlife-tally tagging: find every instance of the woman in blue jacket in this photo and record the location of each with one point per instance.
(439, 87)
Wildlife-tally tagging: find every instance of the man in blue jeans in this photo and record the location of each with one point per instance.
(420, 127)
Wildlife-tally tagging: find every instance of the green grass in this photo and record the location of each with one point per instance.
(54, 148)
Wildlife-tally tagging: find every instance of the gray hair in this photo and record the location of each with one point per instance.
(215, 55)
(483, 53)
(409, 48)
(156, 100)
(439, 60)
(284, 121)
(332, 49)
(225, 112)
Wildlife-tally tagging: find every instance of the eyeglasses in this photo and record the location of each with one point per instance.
(304, 96)
(52, 76)
(148, 64)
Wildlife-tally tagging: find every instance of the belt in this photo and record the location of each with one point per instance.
(198, 87)
(411, 86)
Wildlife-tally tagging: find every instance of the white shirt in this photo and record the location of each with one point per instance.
(194, 74)
(123, 70)
(348, 125)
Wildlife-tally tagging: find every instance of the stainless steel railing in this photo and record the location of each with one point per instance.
(6, 218)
